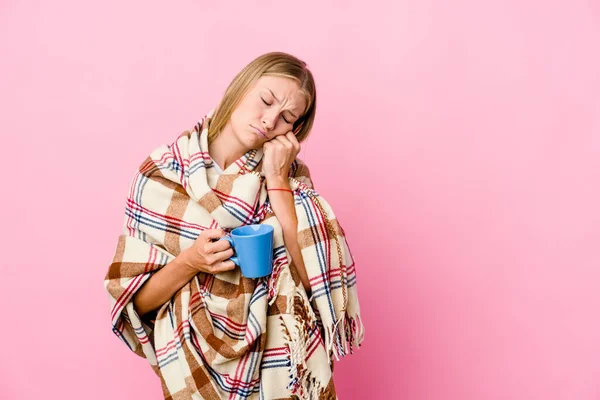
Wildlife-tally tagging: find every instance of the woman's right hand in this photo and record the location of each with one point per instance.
(209, 256)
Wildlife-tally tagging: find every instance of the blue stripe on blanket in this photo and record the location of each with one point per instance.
(196, 166)
(278, 251)
(157, 224)
(239, 215)
(140, 182)
(172, 355)
(321, 253)
(122, 337)
(253, 322)
(335, 284)
(283, 363)
(222, 327)
(228, 388)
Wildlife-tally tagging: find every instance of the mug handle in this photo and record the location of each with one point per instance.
(232, 258)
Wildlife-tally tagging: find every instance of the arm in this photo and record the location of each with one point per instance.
(282, 203)
(203, 256)
(162, 285)
(279, 153)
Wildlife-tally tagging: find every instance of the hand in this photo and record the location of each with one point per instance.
(208, 256)
(279, 154)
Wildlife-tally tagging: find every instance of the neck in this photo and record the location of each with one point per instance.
(225, 148)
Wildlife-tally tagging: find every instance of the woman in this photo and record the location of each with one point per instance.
(177, 299)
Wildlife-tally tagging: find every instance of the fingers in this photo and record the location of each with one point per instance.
(288, 141)
(208, 243)
(292, 137)
(208, 235)
(215, 252)
(216, 257)
(218, 262)
(223, 266)
(218, 246)
(211, 254)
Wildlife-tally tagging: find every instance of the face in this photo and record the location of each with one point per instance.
(268, 110)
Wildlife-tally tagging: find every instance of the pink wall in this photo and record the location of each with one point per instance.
(466, 136)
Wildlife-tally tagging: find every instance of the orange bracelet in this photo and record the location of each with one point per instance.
(285, 190)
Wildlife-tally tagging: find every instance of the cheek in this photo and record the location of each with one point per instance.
(238, 118)
(242, 114)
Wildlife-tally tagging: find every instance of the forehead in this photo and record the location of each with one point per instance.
(286, 90)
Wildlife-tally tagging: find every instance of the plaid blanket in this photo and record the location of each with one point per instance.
(227, 336)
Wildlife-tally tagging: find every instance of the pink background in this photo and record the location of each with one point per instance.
(458, 142)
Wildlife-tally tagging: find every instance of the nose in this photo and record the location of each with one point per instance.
(269, 119)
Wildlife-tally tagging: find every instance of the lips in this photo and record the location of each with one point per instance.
(260, 132)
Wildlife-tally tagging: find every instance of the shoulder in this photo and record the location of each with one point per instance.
(167, 161)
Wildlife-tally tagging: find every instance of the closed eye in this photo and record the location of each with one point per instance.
(264, 101)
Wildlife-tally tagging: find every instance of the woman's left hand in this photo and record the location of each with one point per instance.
(279, 154)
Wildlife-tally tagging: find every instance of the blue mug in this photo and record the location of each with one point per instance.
(253, 246)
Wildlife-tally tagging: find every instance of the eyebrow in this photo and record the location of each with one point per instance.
(273, 94)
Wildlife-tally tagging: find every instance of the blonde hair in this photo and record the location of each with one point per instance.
(270, 64)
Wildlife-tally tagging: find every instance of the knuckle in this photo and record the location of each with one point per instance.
(203, 250)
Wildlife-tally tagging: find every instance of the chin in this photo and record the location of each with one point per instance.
(250, 139)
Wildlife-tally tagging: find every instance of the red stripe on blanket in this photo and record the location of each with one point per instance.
(133, 287)
(232, 324)
(235, 200)
(227, 377)
(333, 274)
(175, 221)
